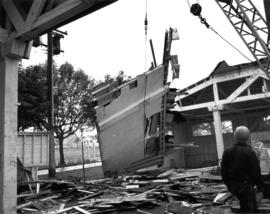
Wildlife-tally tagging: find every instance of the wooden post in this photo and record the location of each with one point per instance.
(218, 124)
(218, 133)
(8, 134)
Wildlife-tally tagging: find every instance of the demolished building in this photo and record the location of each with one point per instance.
(144, 122)
(210, 109)
(131, 118)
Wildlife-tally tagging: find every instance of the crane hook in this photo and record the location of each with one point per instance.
(196, 10)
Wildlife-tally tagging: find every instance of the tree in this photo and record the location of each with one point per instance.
(32, 92)
(72, 103)
(73, 107)
(118, 80)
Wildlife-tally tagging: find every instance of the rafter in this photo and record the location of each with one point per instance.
(242, 88)
(34, 12)
(222, 102)
(14, 14)
(3, 34)
(49, 5)
(63, 13)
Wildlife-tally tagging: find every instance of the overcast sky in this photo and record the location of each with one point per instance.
(112, 39)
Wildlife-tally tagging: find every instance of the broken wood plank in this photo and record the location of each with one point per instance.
(81, 210)
(210, 178)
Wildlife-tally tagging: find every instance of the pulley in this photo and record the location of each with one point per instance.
(196, 9)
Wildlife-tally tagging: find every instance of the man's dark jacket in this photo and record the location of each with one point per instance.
(241, 165)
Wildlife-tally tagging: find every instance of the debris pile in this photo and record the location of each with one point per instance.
(149, 191)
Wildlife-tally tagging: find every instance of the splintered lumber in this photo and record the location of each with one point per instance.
(145, 191)
(166, 173)
(210, 178)
(182, 176)
(81, 210)
(221, 198)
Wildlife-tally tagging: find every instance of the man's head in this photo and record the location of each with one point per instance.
(241, 134)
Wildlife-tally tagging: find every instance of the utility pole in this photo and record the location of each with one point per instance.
(51, 105)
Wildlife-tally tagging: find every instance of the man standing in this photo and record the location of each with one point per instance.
(240, 171)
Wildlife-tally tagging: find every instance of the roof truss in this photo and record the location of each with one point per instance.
(250, 75)
(25, 20)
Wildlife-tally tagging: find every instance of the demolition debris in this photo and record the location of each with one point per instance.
(146, 191)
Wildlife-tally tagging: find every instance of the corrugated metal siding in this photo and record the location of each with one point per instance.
(33, 148)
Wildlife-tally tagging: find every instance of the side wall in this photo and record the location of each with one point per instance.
(205, 154)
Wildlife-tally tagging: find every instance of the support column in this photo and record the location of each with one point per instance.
(218, 133)
(218, 123)
(8, 134)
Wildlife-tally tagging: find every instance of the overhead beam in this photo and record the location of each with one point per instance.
(3, 34)
(34, 12)
(222, 102)
(63, 13)
(218, 79)
(197, 88)
(50, 5)
(242, 88)
(14, 14)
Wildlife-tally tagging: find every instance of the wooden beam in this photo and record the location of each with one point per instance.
(223, 78)
(222, 102)
(8, 135)
(28, 49)
(218, 134)
(59, 15)
(50, 5)
(34, 12)
(242, 88)
(14, 49)
(3, 34)
(13, 14)
(193, 107)
(252, 97)
(215, 92)
(197, 88)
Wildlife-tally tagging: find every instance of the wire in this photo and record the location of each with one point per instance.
(235, 48)
(196, 11)
(145, 75)
(145, 31)
(188, 3)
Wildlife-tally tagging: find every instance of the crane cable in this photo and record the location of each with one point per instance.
(196, 9)
(145, 32)
(240, 52)
(145, 75)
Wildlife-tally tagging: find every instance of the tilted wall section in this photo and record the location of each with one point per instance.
(121, 121)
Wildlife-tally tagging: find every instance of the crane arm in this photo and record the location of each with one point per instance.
(267, 14)
(251, 27)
